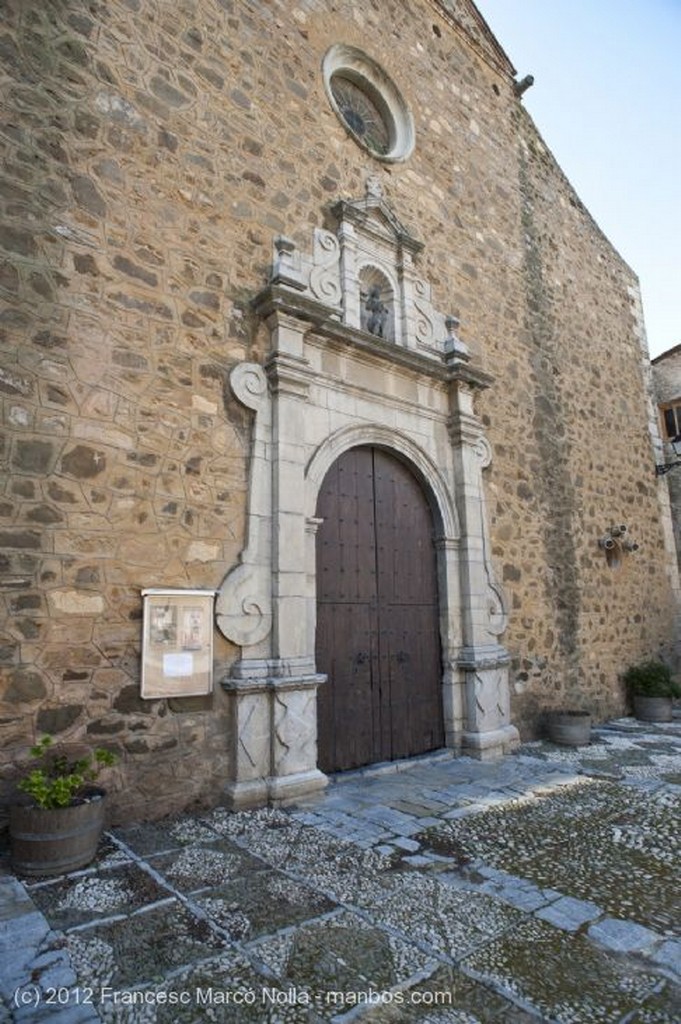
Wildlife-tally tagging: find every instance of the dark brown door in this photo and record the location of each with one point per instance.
(377, 614)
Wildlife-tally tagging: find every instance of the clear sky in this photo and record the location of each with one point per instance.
(607, 101)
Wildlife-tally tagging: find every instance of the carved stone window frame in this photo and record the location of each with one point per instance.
(352, 63)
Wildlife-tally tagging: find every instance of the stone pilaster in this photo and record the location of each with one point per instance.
(449, 585)
(244, 602)
(273, 688)
(289, 376)
(482, 660)
(294, 689)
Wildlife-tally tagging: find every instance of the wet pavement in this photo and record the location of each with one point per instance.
(544, 887)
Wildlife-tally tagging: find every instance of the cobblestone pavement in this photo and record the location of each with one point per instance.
(544, 887)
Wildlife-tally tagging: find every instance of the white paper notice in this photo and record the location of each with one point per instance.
(175, 665)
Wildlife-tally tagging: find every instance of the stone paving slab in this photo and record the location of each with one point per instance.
(200, 866)
(543, 887)
(561, 976)
(227, 989)
(438, 917)
(142, 947)
(164, 836)
(261, 903)
(79, 899)
(610, 845)
(342, 953)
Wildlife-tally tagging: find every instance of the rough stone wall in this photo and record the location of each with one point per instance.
(582, 457)
(126, 461)
(152, 151)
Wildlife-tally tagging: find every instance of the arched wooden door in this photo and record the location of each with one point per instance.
(377, 614)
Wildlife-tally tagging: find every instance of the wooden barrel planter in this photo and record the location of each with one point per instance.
(653, 709)
(569, 728)
(54, 842)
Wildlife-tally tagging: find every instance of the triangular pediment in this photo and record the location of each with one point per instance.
(373, 213)
(464, 15)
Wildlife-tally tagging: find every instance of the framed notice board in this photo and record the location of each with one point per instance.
(177, 643)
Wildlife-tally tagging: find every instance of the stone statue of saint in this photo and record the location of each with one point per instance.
(378, 312)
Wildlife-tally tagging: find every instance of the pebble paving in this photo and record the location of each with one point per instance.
(540, 888)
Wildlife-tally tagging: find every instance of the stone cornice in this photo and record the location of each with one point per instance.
(477, 658)
(280, 684)
(464, 429)
(288, 374)
(446, 368)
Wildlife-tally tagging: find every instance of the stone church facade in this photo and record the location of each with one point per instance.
(300, 311)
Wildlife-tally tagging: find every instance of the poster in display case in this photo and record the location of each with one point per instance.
(177, 643)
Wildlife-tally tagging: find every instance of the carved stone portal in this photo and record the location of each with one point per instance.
(358, 355)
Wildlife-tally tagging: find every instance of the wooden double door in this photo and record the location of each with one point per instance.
(377, 614)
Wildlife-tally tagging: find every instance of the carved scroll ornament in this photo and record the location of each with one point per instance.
(244, 604)
(325, 272)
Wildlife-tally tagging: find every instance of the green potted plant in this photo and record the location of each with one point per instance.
(652, 690)
(56, 828)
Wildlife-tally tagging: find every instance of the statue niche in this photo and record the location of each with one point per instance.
(377, 303)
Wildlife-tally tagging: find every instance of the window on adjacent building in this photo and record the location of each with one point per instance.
(671, 419)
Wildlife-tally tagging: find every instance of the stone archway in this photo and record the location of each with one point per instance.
(328, 385)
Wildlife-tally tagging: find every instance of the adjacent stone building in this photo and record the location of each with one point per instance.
(666, 373)
(300, 309)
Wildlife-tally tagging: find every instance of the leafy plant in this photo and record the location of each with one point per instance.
(58, 782)
(651, 679)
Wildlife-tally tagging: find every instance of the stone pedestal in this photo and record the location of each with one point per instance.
(274, 736)
(249, 743)
(294, 738)
(487, 732)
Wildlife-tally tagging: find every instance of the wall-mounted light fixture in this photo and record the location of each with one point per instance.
(614, 543)
(663, 467)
